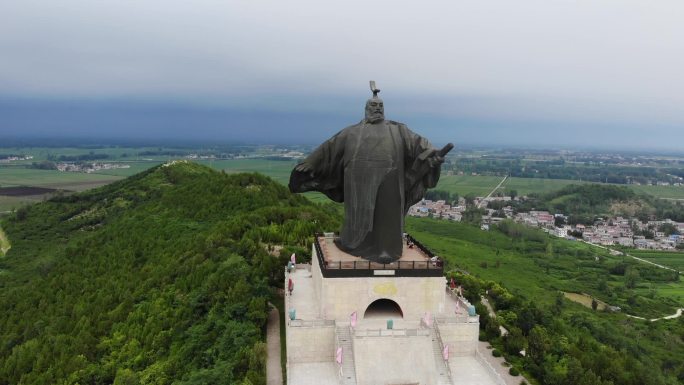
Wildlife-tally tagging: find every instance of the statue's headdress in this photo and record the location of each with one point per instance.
(374, 89)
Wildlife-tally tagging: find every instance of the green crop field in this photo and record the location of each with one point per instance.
(483, 185)
(674, 260)
(669, 192)
(10, 203)
(14, 176)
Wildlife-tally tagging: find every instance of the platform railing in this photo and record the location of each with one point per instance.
(391, 332)
(432, 266)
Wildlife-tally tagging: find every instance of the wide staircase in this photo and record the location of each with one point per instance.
(443, 373)
(344, 340)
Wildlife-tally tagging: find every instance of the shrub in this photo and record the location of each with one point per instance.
(496, 353)
(513, 371)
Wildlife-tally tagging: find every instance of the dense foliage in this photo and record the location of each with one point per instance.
(567, 345)
(522, 271)
(584, 203)
(157, 279)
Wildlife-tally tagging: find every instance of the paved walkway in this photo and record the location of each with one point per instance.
(496, 362)
(274, 373)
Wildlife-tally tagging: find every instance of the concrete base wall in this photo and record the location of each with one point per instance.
(339, 297)
(400, 360)
(310, 344)
(461, 337)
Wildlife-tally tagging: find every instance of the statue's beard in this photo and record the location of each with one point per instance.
(374, 117)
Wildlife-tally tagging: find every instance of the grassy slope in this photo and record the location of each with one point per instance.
(671, 259)
(526, 268)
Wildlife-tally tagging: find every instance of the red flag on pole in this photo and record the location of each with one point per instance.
(445, 353)
(338, 355)
(293, 259)
(452, 284)
(353, 319)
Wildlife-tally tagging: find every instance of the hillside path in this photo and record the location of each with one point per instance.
(618, 252)
(4, 243)
(493, 191)
(673, 316)
(274, 373)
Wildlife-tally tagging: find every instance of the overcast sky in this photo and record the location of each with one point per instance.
(538, 73)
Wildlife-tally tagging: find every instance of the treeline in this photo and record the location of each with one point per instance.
(565, 345)
(560, 169)
(78, 158)
(587, 202)
(161, 278)
(436, 195)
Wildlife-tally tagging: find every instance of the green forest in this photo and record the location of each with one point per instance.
(160, 278)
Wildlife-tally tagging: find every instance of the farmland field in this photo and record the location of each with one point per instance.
(483, 185)
(669, 192)
(674, 260)
(15, 176)
(584, 300)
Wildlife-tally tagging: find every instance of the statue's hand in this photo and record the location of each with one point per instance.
(435, 160)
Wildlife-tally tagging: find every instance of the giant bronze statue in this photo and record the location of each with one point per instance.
(378, 168)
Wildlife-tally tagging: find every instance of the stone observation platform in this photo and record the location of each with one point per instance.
(416, 261)
(351, 321)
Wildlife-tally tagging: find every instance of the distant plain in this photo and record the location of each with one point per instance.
(17, 174)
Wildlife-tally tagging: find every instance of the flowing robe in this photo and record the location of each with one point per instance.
(379, 171)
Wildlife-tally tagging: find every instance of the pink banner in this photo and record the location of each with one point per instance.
(353, 319)
(427, 318)
(338, 355)
(445, 353)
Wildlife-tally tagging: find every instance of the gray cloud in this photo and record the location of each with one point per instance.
(530, 63)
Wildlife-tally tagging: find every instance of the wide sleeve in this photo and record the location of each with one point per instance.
(326, 173)
(419, 175)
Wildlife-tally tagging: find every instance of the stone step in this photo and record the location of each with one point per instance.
(443, 375)
(348, 367)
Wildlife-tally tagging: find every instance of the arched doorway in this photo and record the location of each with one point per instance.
(383, 308)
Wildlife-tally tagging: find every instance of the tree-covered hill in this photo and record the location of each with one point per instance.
(583, 203)
(160, 278)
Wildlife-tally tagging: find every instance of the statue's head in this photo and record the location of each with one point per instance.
(375, 110)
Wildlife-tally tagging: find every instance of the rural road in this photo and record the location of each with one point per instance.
(274, 373)
(672, 316)
(492, 192)
(631, 256)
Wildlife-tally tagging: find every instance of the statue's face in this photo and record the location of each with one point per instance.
(375, 110)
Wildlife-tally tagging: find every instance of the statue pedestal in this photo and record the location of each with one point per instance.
(345, 284)
(391, 343)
